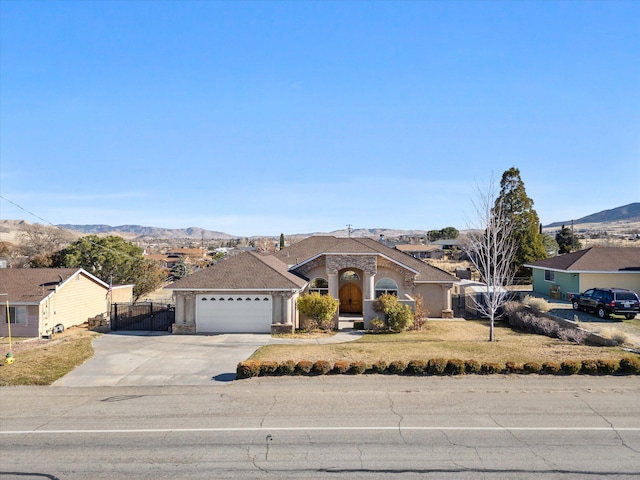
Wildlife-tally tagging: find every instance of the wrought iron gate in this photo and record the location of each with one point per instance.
(157, 317)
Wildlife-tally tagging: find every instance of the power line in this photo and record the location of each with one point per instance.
(62, 229)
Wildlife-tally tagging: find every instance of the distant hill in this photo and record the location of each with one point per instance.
(627, 213)
(150, 232)
(370, 233)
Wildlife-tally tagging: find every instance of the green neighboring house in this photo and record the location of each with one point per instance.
(593, 267)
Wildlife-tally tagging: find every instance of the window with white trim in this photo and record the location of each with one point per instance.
(319, 285)
(349, 276)
(386, 285)
(550, 276)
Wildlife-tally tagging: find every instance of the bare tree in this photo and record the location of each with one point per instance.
(491, 250)
(265, 246)
(39, 242)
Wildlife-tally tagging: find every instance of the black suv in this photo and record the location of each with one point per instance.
(608, 301)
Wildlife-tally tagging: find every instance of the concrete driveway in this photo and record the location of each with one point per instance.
(152, 358)
(155, 358)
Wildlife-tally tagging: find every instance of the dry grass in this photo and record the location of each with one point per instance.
(301, 334)
(463, 340)
(45, 364)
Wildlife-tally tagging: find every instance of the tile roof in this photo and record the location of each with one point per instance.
(594, 259)
(247, 270)
(32, 285)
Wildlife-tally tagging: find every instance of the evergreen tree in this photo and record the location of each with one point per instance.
(566, 241)
(525, 231)
(281, 241)
(112, 259)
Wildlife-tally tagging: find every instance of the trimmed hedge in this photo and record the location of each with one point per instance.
(416, 367)
(438, 366)
(321, 367)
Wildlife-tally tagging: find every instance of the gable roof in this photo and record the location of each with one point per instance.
(594, 259)
(32, 285)
(314, 246)
(247, 270)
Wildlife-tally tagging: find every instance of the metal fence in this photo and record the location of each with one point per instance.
(152, 316)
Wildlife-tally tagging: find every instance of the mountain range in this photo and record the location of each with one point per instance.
(626, 213)
(625, 216)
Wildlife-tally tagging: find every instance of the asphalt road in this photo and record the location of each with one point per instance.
(328, 427)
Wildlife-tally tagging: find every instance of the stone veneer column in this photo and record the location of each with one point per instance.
(185, 316)
(287, 305)
(447, 312)
(190, 309)
(369, 285)
(333, 284)
(180, 313)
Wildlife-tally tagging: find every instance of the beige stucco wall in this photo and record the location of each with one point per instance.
(432, 298)
(283, 305)
(629, 281)
(396, 277)
(122, 294)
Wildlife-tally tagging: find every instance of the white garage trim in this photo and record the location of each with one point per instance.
(229, 313)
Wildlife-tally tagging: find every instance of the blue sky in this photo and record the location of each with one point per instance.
(255, 118)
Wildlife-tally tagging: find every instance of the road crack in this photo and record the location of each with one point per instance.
(392, 408)
(613, 429)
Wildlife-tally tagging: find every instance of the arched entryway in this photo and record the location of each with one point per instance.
(350, 298)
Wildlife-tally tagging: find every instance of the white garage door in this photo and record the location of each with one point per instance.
(233, 313)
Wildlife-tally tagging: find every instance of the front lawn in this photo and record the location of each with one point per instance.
(44, 364)
(463, 340)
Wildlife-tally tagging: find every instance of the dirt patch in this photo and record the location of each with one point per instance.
(25, 344)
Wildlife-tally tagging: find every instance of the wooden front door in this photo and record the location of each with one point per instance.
(350, 298)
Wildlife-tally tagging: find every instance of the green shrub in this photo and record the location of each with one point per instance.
(513, 367)
(399, 316)
(397, 367)
(377, 325)
(268, 368)
(416, 367)
(321, 367)
(379, 366)
(286, 368)
(570, 367)
(341, 367)
(247, 369)
(357, 368)
(607, 367)
(320, 308)
(303, 367)
(489, 368)
(436, 366)
(550, 368)
(532, 367)
(630, 365)
(471, 366)
(589, 367)
(455, 366)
